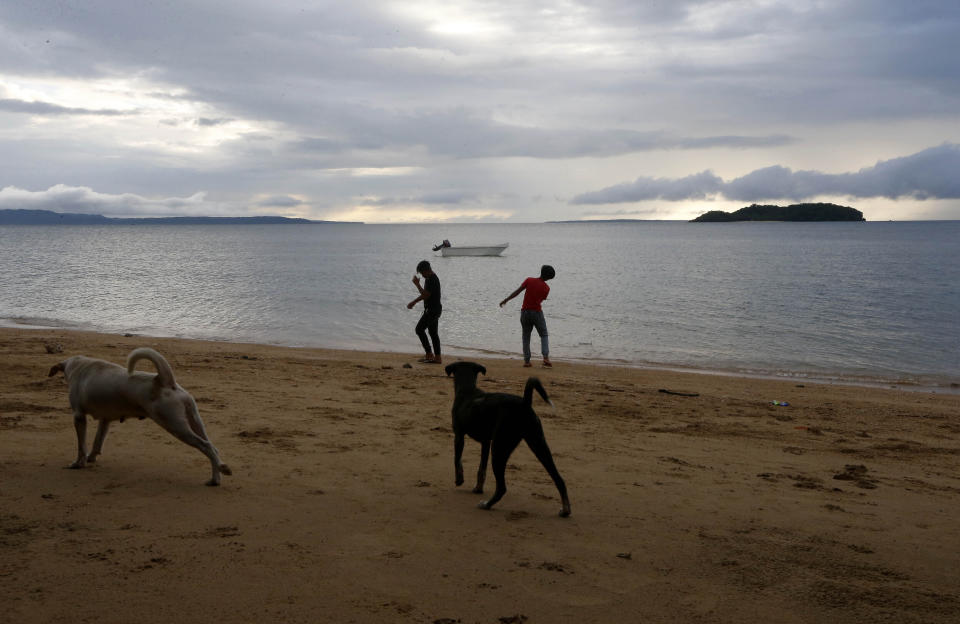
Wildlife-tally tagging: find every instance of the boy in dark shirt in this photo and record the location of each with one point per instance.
(430, 319)
(531, 313)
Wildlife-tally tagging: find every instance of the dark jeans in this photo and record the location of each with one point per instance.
(428, 323)
(530, 319)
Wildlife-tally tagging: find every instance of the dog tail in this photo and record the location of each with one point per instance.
(534, 384)
(164, 372)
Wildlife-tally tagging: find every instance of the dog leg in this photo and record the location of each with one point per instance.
(502, 448)
(196, 425)
(80, 424)
(181, 431)
(98, 440)
(482, 470)
(458, 458)
(538, 444)
(194, 420)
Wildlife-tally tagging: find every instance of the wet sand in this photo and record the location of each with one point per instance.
(719, 507)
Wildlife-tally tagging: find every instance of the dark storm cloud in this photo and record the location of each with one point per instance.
(930, 174)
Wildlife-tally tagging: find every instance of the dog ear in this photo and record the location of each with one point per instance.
(481, 368)
(56, 368)
(449, 369)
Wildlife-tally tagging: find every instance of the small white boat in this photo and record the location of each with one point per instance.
(474, 250)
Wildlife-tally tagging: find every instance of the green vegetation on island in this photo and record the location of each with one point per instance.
(794, 212)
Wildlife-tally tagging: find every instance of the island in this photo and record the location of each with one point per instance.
(794, 212)
(49, 217)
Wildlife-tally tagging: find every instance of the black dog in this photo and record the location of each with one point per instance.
(501, 421)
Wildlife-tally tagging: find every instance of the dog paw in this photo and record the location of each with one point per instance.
(459, 482)
(484, 505)
(478, 490)
(225, 469)
(213, 482)
(77, 465)
(564, 513)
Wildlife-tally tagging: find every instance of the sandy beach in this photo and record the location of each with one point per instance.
(721, 507)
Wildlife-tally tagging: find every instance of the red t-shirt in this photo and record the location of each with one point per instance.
(536, 291)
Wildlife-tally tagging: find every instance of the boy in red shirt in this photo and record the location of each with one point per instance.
(531, 314)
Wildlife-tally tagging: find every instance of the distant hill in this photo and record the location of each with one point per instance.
(48, 217)
(794, 212)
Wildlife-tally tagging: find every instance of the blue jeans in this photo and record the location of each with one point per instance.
(528, 320)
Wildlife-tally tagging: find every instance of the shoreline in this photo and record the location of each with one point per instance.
(916, 383)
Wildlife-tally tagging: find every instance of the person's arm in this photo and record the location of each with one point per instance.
(416, 282)
(513, 294)
(424, 294)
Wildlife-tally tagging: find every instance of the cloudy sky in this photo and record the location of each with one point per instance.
(503, 110)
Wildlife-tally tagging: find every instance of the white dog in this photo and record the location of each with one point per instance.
(107, 392)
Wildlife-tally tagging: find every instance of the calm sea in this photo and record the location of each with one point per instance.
(851, 301)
